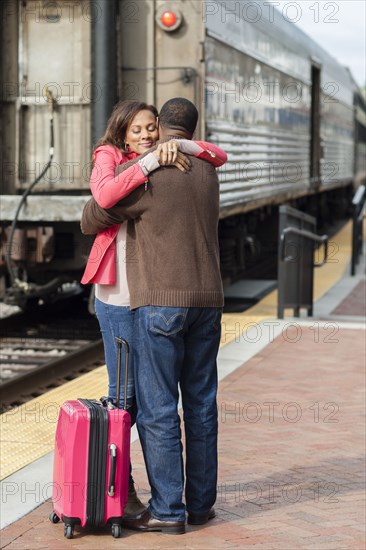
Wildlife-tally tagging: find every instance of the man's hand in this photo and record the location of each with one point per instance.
(182, 163)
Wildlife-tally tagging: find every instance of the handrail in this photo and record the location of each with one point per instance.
(358, 196)
(322, 239)
(359, 204)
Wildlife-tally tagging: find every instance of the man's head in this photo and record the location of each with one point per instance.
(178, 116)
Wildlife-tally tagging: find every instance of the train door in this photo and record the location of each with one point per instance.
(54, 62)
(315, 139)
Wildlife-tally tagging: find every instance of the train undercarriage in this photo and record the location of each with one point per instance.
(47, 260)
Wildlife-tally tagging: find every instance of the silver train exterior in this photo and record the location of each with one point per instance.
(288, 114)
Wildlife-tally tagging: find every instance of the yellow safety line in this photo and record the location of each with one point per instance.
(27, 432)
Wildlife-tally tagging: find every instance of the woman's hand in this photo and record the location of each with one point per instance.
(168, 154)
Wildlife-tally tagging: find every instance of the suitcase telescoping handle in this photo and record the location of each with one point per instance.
(113, 448)
(121, 342)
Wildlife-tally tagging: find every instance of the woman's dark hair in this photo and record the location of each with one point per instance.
(121, 116)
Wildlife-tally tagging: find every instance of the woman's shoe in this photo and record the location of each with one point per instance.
(134, 506)
(145, 522)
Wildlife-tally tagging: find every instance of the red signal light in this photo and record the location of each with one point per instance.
(168, 18)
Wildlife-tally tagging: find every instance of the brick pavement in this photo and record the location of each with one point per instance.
(354, 303)
(291, 455)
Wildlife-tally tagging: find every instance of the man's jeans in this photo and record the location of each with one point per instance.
(178, 346)
(118, 321)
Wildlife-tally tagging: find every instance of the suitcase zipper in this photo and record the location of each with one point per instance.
(97, 463)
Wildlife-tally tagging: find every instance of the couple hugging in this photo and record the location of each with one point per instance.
(155, 263)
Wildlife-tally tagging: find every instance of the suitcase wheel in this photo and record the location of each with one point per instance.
(116, 530)
(54, 517)
(68, 531)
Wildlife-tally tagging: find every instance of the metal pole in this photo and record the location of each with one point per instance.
(104, 64)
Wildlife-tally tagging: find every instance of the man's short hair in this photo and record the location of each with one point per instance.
(179, 114)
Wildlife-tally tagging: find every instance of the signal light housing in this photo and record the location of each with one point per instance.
(168, 19)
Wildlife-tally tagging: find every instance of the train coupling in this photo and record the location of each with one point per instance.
(60, 288)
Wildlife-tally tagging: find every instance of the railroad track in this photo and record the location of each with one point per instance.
(37, 355)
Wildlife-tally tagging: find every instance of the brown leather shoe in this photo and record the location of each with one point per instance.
(201, 519)
(134, 506)
(145, 522)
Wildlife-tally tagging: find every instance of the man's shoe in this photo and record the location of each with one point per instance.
(201, 519)
(145, 522)
(134, 506)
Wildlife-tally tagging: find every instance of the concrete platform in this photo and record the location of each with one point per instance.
(291, 448)
(291, 454)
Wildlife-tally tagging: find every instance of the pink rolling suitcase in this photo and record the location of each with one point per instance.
(91, 461)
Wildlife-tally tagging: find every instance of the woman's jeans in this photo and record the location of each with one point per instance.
(118, 321)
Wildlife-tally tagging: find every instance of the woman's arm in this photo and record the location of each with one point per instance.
(203, 150)
(108, 189)
(167, 151)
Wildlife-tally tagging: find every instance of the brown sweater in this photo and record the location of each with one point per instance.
(172, 252)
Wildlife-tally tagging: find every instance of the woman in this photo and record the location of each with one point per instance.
(131, 130)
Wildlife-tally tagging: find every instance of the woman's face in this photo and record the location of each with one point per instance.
(142, 133)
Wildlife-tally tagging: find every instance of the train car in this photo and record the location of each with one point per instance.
(288, 114)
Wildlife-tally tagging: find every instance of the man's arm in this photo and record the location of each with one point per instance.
(95, 218)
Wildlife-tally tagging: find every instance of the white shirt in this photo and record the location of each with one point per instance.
(117, 294)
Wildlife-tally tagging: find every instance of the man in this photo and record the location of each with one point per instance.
(174, 280)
